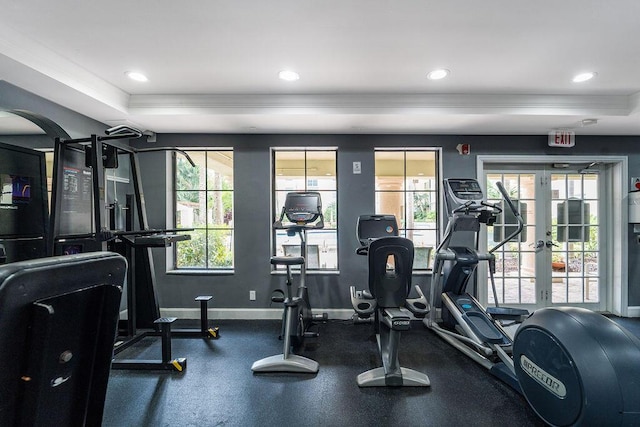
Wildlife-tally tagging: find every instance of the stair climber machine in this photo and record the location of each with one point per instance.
(302, 211)
(573, 366)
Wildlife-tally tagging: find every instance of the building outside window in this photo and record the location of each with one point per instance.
(204, 202)
(308, 170)
(406, 185)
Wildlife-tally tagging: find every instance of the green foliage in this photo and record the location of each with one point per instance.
(187, 178)
(331, 214)
(422, 208)
(208, 248)
(220, 254)
(194, 253)
(191, 253)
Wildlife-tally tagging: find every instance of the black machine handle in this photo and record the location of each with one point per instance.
(470, 206)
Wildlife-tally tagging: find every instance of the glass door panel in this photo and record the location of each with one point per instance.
(555, 260)
(575, 248)
(515, 274)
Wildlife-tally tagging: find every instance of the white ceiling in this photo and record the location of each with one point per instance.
(213, 64)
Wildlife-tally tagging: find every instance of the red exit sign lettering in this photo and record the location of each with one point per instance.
(562, 138)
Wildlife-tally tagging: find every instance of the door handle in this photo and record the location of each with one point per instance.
(539, 245)
(549, 244)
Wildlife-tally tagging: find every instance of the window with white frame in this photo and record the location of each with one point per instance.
(406, 185)
(308, 170)
(203, 204)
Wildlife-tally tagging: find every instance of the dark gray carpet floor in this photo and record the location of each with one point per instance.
(218, 387)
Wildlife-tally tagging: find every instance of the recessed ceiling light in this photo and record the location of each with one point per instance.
(589, 122)
(583, 77)
(288, 75)
(134, 75)
(438, 74)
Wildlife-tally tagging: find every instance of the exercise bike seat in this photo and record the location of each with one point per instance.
(287, 260)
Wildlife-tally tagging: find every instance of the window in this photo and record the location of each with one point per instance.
(407, 187)
(308, 170)
(204, 203)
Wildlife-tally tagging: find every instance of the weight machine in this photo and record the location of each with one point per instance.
(87, 215)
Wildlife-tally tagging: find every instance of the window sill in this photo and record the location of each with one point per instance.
(200, 272)
(422, 272)
(309, 273)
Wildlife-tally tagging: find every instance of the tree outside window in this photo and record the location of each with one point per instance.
(204, 203)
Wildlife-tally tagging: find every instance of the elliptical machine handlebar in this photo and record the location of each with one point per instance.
(516, 214)
(471, 207)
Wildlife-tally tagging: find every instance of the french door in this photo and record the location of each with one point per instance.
(556, 260)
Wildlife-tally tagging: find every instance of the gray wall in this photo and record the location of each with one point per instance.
(252, 197)
(355, 196)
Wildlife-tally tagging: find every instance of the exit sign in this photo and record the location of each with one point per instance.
(562, 138)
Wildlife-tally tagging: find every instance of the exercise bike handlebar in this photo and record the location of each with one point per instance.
(278, 225)
(316, 222)
(516, 214)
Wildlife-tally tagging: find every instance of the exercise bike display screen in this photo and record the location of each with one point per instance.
(374, 227)
(300, 207)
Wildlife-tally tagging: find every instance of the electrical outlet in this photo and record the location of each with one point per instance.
(252, 295)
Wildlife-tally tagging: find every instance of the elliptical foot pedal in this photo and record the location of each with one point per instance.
(507, 313)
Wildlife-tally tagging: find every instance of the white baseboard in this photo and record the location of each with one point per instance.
(247, 313)
(633, 311)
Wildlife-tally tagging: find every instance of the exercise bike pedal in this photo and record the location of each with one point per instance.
(277, 296)
(320, 317)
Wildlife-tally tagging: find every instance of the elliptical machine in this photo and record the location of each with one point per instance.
(302, 211)
(462, 321)
(573, 366)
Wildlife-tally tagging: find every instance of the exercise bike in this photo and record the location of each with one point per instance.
(302, 211)
(573, 366)
(390, 261)
(368, 229)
